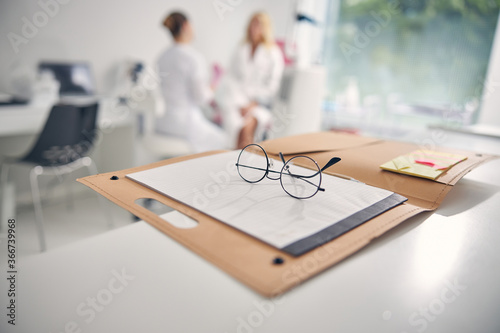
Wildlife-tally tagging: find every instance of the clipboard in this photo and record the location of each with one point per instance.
(262, 267)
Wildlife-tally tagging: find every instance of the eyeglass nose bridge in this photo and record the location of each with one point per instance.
(271, 173)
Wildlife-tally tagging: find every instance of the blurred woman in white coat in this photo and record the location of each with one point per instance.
(246, 93)
(185, 88)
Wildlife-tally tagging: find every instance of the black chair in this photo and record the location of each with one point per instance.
(61, 148)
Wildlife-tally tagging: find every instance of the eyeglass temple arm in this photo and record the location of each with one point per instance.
(330, 163)
(282, 158)
(251, 167)
(327, 165)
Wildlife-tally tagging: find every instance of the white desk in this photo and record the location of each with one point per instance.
(30, 118)
(22, 119)
(402, 282)
(19, 125)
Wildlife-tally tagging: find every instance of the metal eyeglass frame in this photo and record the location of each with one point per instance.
(286, 166)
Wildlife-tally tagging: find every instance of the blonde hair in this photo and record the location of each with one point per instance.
(267, 30)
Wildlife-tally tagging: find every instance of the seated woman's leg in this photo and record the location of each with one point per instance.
(264, 121)
(247, 132)
(230, 99)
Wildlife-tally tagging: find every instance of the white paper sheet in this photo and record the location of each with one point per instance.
(212, 185)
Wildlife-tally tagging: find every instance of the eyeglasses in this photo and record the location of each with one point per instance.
(299, 182)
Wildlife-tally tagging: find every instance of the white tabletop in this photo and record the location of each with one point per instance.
(22, 119)
(30, 118)
(437, 272)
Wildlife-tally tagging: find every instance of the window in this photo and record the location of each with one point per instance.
(408, 61)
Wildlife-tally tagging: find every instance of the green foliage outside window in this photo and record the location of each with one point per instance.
(427, 52)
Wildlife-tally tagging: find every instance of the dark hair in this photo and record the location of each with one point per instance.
(174, 22)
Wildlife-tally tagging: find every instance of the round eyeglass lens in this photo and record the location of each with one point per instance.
(298, 181)
(252, 163)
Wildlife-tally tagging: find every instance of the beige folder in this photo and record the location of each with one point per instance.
(264, 268)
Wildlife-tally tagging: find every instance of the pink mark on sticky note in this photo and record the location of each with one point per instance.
(430, 163)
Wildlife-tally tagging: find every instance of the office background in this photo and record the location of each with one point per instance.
(106, 33)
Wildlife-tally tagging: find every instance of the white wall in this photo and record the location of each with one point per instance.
(104, 32)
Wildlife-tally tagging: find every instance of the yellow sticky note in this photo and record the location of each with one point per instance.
(423, 163)
(402, 162)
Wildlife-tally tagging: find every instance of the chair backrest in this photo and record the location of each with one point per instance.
(67, 136)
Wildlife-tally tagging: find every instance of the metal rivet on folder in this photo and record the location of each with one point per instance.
(278, 261)
(114, 178)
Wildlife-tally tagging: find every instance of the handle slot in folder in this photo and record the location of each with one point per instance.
(167, 213)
